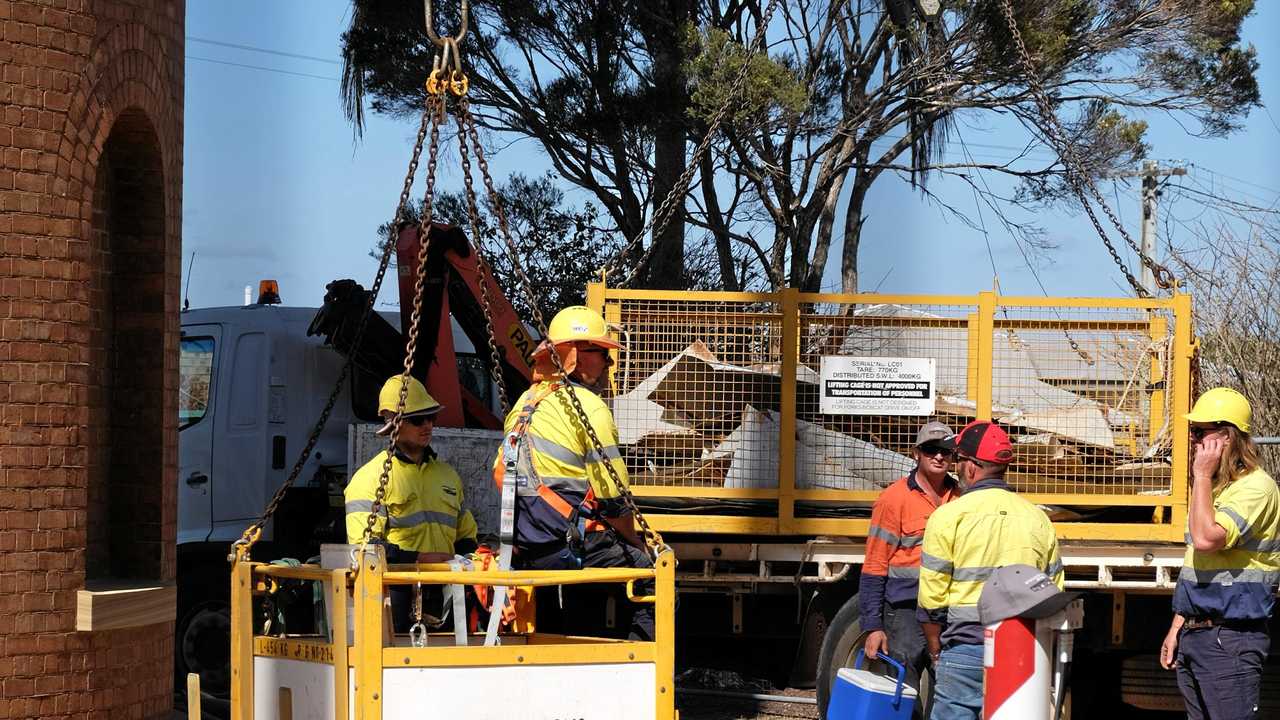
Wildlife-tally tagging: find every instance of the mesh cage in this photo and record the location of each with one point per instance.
(868, 452)
(698, 393)
(1081, 390)
(720, 411)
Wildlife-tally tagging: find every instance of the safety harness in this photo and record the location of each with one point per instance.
(516, 477)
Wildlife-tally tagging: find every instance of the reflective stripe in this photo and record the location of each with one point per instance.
(355, 506)
(1229, 576)
(906, 572)
(571, 484)
(418, 518)
(878, 532)
(556, 451)
(972, 574)
(962, 614)
(608, 452)
(1249, 543)
(1255, 545)
(1054, 568)
(910, 541)
(423, 517)
(1241, 523)
(936, 564)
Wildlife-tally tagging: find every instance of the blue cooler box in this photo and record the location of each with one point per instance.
(863, 695)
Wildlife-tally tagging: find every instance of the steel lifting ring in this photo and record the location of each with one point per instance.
(431, 31)
(418, 635)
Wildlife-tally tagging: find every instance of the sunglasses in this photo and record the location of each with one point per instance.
(1198, 432)
(932, 450)
(419, 420)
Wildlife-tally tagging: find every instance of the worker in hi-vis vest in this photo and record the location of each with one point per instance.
(423, 513)
(965, 540)
(569, 512)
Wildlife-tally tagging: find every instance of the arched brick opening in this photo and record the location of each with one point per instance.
(126, 355)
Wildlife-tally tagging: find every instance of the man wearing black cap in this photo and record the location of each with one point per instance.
(891, 572)
(964, 542)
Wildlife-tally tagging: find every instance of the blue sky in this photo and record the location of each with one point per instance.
(274, 186)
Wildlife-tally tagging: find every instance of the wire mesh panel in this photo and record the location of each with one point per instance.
(698, 392)
(1082, 392)
(726, 403)
(869, 447)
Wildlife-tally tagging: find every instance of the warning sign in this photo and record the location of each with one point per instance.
(877, 386)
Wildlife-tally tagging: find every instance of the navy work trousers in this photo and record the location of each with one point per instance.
(1220, 671)
(603, 550)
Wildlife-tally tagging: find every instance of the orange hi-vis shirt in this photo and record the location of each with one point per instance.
(891, 571)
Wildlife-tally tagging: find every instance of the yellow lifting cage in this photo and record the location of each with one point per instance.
(720, 416)
(361, 670)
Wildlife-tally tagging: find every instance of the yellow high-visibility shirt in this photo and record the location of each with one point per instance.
(424, 505)
(563, 455)
(1239, 581)
(966, 540)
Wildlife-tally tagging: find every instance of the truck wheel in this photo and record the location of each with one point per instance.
(204, 646)
(839, 648)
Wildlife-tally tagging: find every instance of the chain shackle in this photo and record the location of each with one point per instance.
(430, 21)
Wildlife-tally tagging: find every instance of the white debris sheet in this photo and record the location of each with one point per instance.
(699, 421)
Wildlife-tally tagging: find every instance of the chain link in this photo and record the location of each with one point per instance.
(652, 539)
(1076, 175)
(254, 531)
(483, 273)
(662, 217)
(436, 111)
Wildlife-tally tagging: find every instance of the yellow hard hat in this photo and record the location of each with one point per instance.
(578, 323)
(1222, 404)
(416, 402)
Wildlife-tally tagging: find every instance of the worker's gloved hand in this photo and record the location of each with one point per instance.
(877, 642)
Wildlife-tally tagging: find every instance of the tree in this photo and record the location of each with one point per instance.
(1230, 262)
(883, 93)
(561, 248)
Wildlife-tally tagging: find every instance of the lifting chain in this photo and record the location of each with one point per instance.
(1076, 175)
(653, 541)
(252, 533)
(418, 631)
(662, 217)
(435, 111)
(483, 272)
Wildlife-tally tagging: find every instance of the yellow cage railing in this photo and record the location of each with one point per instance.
(720, 417)
(276, 677)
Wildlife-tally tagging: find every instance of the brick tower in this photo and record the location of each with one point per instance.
(90, 219)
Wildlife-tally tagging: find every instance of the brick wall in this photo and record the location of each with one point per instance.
(90, 217)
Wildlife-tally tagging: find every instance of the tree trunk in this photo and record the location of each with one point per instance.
(720, 231)
(666, 265)
(853, 219)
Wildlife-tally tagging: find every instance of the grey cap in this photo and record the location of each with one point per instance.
(934, 431)
(1020, 591)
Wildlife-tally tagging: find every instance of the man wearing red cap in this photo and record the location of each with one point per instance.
(965, 541)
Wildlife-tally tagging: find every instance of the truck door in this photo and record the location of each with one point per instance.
(197, 389)
(241, 462)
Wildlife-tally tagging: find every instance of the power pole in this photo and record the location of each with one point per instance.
(1149, 173)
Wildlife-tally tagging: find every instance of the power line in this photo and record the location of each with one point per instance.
(262, 68)
(268, 51)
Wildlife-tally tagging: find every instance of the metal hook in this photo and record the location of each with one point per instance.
(431, 31)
